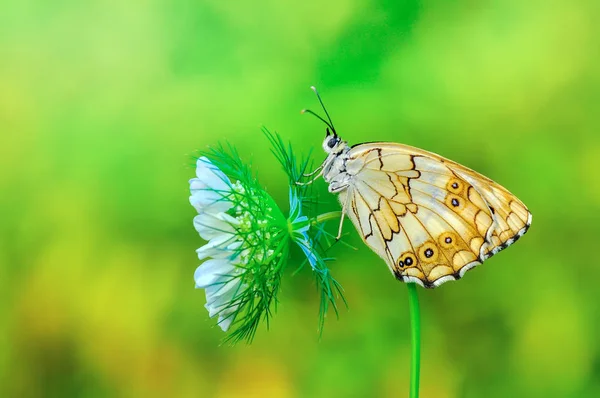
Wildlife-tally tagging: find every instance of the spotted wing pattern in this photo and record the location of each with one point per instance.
(428, 217)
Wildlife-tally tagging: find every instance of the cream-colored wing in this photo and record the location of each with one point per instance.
(429, 218)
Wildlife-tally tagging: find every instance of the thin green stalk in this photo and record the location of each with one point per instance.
(328, 216)
(415, 339)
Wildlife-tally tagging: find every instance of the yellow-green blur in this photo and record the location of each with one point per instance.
(103, 104)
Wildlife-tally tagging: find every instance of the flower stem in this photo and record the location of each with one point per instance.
(328, 216)
(415, 326)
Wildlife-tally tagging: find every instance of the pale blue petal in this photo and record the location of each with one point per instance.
(295, 205)
(301, 230)
(305, 245)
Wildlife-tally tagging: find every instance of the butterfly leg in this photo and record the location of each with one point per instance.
(319, 172)
(344, 208)
(315, 171)
(311, 180)
(339, 235)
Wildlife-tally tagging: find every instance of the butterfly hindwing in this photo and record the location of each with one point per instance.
(511, 217)
(429, 218)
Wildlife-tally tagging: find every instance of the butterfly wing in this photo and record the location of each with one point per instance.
(428, 217)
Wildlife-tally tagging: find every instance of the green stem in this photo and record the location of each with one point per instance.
(328, 216)
(415, 339)
(292, 226)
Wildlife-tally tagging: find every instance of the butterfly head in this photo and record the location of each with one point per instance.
(332, 142)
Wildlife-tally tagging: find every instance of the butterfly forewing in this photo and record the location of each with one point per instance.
(428, 217)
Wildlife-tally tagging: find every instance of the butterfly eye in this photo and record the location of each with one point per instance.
(331, 143)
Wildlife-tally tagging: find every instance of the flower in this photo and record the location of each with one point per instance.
(248, 242)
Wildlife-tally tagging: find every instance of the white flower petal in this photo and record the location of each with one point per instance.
(241, 257)
(222, 246)
(212, 271)
(225, 322)
(196, 184)
(208, 200)
(209, 250)
(210, 174)
(219, 301)
(227, 218)
(221, 294)
(222, 309)
(210, 225)
(226, 316)
(212, 309)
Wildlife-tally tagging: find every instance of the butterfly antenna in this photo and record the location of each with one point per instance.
(318, 117)
(313, 88)
(328, 122)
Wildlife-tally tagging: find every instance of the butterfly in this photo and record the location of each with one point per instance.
(429, 218)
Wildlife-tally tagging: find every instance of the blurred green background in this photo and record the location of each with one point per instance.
(103, 102)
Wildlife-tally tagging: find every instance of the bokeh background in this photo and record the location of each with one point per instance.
(103, 102)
